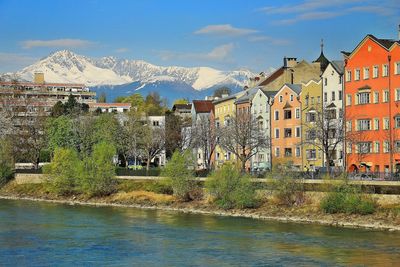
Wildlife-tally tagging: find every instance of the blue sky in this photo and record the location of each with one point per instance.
(225, 34)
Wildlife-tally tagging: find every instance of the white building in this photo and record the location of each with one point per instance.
(332, 95)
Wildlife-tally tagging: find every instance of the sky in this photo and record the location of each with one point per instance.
(224, 34)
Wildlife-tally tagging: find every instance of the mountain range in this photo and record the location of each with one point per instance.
(121, 77)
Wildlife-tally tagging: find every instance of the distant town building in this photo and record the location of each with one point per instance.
(182, 110)
(110, 107)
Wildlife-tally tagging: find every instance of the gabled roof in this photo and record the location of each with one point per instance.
(331, 105)
(287, 105)
(247, 96)
(295, 87)
(338, 65)
(272, 77)
(203, 106)
(384, 43)
(181, 106)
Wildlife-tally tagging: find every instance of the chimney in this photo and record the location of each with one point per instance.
(39, 78)
(289, 62)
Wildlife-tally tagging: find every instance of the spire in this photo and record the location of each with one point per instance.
(322, 46)
(322, 59)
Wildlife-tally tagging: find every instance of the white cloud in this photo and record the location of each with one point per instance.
(224, 30)
(65, 43)
(121, 50)
(219, 53)
(12, 62)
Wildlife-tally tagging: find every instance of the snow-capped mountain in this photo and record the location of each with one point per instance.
(66, 66)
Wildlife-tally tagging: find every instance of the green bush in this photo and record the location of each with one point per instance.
(6, 161)
(180, 174)
(64, 172)
(348, 199)
(230, 189)
(288, 191)
(99, 171)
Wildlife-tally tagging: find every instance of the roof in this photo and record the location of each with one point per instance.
(234, 96)
(295, 87)
(41, 85)
(385, 43)
(248, 95)
(338, 65)
(203, 106)
(287, 105)
(322, 60)
(273, 76)
(182, 106)
(270, 93)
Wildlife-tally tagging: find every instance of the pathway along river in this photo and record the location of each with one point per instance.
(46, 234)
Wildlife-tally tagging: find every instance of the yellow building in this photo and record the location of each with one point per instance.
(225, 109)
(311, 100)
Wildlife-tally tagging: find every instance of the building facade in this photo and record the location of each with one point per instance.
(372, 110)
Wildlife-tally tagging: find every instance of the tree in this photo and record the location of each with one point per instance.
(179, 171)
(60, 133)
(152, 142)
(222, 91)
(325, 132)
(155, 105)
(64, 171)
(204, 137)
(181, 101)
(243, 137)
(58, 109)
(6, 160)
(6, 119)
(102, 98)
(174, 132)
(99, 171)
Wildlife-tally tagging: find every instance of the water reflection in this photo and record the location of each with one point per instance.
(51, 234)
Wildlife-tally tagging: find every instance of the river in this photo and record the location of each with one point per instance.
(46, 234)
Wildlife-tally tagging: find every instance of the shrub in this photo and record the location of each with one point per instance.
(99, 171)
(348, 199)
(179, 174)
(230, 189)
(64, 171)
(6, 161)
(288, 191)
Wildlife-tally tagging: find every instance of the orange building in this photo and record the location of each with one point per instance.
(286, 127)
(372, 105)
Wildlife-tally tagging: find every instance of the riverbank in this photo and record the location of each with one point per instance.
(384, 219)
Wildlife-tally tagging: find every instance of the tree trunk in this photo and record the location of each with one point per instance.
(148, 163)
(328, 160)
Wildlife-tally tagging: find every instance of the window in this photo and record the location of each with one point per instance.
(385, 146)
(318, 100)
(349, 126)
(260, 109)
(310, 117)
(276, 115)
(385, 96)
(348, 100)
(291, 97)
(306, 100)
(375, 72)
(376, 147)
(348, 76)
(397, 94)
(385, 123)
(311, 154)
(325, 97)
(280, 98)
(397, 67)
(312, 100)
(276, 133)
(325, 81)
(287, 114)
(376, 124)
(298, 151)
(288, 132)
(376, 97)
(349, 148)
(364, 147)
(331, 114)
(385, 70)
(397, 122)
(357, 75)
(363, 98)
(297, 113)
(311, 135)
(217, 156)
(366, 73)
(277, 152)
(364, 125)
(340, 79)
(298, 131)
(340, 95)
(288, 152)
(333, 96)
(332, 133)
(397, 146)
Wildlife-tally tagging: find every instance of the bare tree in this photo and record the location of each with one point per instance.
(129, 137)
(325, 131)
(242, 136)
(152, 142)
(204, 136)
(6, 119)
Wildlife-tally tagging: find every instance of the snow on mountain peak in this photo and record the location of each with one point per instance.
(66, 66)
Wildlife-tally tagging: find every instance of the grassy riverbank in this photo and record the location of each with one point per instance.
(155, 196)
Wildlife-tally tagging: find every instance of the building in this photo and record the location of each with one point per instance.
(372, 110)
(311, 119)
(158, 122)
(182, 110)
(286, 127)
(332, 95)
(110, 107)
(203, 118)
